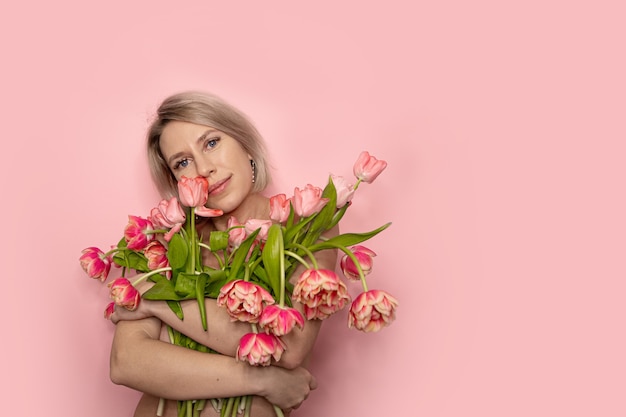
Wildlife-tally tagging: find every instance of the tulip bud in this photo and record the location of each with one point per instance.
(156, 254)
(95, 263)
(193, 192)
(367, 167)
(364, 257)
(138, 233)
(321, 292)
(168, 214)
(308, 201)
(260, 348)
(372, 310)
(236, 233)
(280, 320)
(280, 207)
(244, 300)
(124, 294)
(108, 312)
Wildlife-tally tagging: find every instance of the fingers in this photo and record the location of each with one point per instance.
(313, 383)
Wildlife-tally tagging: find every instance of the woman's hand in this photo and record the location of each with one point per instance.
(144, 309)
(287, 389)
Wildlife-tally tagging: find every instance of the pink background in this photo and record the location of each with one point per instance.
(503, 125)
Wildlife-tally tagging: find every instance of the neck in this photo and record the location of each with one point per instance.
(255, 206)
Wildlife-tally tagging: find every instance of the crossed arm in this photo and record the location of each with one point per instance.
(140, 360)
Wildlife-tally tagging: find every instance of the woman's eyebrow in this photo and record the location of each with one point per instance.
(205, 134)
(200, 139)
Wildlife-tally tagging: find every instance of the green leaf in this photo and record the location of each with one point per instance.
(272, 253)
(186, 285)
(162, 290)
(218, 240)
(241, 253)
(213, 286)
(324, 217)
(347, 239)
(263, 281)
(216, 278)
(132, 260)
(176, 308)
(129, 258)
(292, 231)
(292, 215)
(338, 215)
(177, 252)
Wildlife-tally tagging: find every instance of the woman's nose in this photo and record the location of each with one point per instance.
(204, 167)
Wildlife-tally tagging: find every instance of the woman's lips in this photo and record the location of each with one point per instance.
(218, 187)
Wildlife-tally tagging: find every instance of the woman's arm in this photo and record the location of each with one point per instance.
(223, 334)
(142, 362)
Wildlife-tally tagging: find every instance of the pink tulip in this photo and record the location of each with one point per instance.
(236, 234)
(280, 206)
(156, 254)
(364, 256)
(95, 263)
(308, 201)
(372, 310)
(367, 168)
(244, 300)
(345, 191)
(253, 224)
(168, 214)
(138, 232)
(321, 292)
(108, 312)
(193, 192)
(260, 348)
(124, 294)
(280, 320)
(207, 212)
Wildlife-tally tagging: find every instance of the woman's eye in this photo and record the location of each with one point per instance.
(183, 163)
(212, 143)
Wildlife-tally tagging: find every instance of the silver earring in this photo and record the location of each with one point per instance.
(253, 170)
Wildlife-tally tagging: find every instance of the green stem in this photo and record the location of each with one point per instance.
(149, 274)
(281, 260)
(248, 408)
(356, 263)
(246, 272)
(298, 258)
(357, 184)
(235, 406)
(201, 405)
(255, 264)
(182, 405)
(308, 253)
(278, 411)
(112, 251)
(226, 410)
(191, 262)
(219, 260)
(160, 407)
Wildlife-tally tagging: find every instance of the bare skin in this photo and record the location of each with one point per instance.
(141, 358)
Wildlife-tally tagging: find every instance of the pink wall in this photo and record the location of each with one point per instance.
(503, 126)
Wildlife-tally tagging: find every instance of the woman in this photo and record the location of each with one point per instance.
(199, 134)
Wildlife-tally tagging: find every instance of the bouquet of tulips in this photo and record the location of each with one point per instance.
(256, 262)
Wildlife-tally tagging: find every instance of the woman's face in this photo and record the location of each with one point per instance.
(191, 150)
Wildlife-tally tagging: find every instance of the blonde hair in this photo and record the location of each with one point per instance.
(208, 110)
